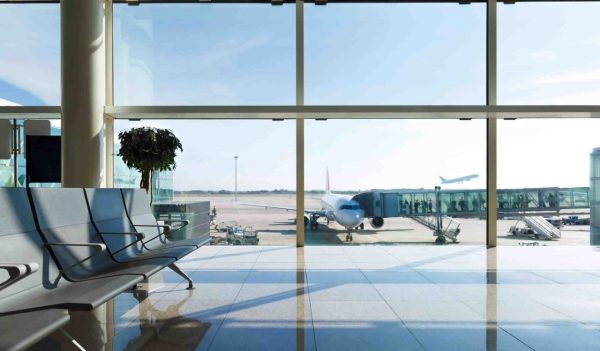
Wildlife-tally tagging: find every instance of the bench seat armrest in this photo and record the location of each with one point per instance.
(139, 238)
(97, 246)
(17, 271)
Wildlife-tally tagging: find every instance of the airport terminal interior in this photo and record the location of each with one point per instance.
(299, 175)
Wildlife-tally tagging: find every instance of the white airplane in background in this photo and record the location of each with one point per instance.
(336, 207)
(459, 179)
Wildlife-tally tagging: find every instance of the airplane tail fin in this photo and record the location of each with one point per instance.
(443, 179)
(327, 185)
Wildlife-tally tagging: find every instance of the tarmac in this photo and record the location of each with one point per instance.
(276, 226)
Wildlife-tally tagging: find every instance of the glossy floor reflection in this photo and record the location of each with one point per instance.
(358, 298)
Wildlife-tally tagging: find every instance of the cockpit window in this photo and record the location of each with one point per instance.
(349, 207)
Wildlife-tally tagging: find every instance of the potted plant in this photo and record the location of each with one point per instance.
(149, 149)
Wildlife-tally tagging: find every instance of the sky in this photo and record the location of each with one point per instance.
(379, 54)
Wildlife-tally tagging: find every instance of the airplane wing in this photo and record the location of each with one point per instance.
(317, 212)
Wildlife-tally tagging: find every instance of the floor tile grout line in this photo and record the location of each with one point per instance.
(394, 312)
(312, 319)
(459, 299)
(552, 308)
(495, 323)
(233, 302)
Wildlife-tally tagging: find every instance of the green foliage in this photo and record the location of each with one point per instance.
(149, 149)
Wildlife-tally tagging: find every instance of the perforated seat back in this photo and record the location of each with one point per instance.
(109, 215)
(20, 243)
(64, 218)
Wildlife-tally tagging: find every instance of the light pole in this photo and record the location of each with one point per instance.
(236, 158)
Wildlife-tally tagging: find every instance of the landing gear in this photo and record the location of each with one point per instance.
(349, 237)
(440, 240)
(314, 225)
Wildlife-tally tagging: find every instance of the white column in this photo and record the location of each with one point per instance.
(83, 92)
(109, 122)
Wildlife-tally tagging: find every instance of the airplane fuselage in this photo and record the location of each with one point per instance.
(343, 210)
(459, 180)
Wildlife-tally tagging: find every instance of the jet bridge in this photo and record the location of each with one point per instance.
(379, 204)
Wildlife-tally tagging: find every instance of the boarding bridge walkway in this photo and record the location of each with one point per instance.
(436, 208)
(472, 203)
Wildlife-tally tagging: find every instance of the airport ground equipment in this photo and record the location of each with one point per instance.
(556, 221)
(224, 226)
(536, 226)
(55, 259)
(448, 230)
(242, 236)
(576, 220)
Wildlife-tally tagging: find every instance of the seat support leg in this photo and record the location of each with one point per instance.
(176, 269)
(71, 339)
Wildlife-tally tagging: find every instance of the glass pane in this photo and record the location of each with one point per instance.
(264, 205)
(544, 179)
(29, 54)
(390, 169)
(6, 154)
(203, 54)
(395, 54)
(549, 53)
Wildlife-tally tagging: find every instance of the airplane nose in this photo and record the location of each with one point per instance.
(351, 219)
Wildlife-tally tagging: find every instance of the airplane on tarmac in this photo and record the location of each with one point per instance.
(335, 207)
(459, 179)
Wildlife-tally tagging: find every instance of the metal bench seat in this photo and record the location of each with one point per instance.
(32, 287)
(73, 241)
(137, 204)
(123, 240)
(22, 330)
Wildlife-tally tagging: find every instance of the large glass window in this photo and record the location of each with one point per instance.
(549, 53)
(203, 54)
(543, 180)
(395, 54)
(391, 169)
(256, 157)
(11, 176)
(29, 54)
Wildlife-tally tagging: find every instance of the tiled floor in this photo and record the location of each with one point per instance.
(360, 298)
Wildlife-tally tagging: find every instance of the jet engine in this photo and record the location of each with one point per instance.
(376, 222)
(306, 220)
